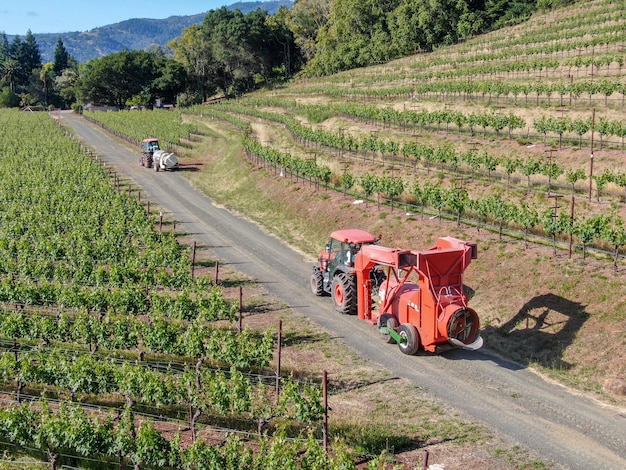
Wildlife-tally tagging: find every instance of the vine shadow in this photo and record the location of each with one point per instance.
(540, 331)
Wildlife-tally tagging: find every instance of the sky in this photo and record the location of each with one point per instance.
(62, 16)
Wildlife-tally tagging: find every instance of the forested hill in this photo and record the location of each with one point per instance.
(132, 34)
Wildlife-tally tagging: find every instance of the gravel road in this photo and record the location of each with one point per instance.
(555, 424)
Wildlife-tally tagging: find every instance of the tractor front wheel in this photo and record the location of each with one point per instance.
(317, 281)
(410, 339)
(344, 293)
(388, 321)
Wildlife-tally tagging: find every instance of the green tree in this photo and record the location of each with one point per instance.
(306, 18)
(192, 50)
(172, 79)
(46, 75)
(65, 86)
(61, 57)
(246, 50)
(26, 54)
(115, 79)
(8, 99)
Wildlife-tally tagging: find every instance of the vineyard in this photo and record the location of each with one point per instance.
(134, 126)
(115, 352)
(110, 342)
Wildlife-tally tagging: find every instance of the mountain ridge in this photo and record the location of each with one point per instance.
(133, 33)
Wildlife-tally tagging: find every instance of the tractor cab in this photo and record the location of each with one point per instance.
(334, 273)
(341, 250)
(150, 145)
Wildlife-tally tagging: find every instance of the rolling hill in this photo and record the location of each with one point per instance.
(135, 33)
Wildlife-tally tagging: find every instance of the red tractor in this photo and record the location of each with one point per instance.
(421, 299)
(335, 274)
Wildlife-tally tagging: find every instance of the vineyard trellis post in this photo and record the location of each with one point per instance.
(571, 235)
(279, 352)
(555, 216)
(325, 422)
(593, 122)
(550, 156)
(193, 259)
(240, 309)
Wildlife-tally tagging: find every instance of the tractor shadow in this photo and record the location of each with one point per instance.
(540, 332)
(190, 167)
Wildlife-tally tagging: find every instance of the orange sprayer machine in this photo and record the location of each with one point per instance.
(422, 301)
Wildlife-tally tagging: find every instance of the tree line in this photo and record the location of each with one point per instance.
(231, 53)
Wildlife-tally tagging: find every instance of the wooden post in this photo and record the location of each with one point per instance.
(217, 270)
(240, 309)
(148, 208)
(571, 236)
(193, 259)
(280, 341)
(325, 423)
(593, 121)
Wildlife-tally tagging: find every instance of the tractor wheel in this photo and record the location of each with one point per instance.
(149, 162)
(344, 293)
(317, 281)
(156, 167)
(390, 322)
(410, 339)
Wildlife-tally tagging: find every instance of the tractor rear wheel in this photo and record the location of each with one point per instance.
(344, 293)
(317, 281)
(410, 339)
(390, 322)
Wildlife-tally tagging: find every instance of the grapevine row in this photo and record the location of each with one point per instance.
(167, 126)
(122, 438)
(158, 335)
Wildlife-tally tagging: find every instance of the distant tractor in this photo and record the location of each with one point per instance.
(417, 299)
(148, 146)
(153, 156)
(334, 274)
